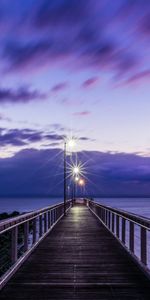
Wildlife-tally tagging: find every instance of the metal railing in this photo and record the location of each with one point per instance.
(131, 230)
(19, 236)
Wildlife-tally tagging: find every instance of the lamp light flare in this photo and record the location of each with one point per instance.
(82, 182)
(76, 178)
(71, 143)
(76, 170)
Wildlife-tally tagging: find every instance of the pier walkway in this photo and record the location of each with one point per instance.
(78, 259)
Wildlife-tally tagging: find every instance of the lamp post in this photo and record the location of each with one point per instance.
(75, 174)
(71, 144)
(76, 179)
(82, 184)
(65, 146)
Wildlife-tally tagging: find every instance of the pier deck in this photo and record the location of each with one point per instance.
(79, 259)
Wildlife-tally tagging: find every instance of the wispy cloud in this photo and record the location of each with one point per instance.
(86, 35)
(82, 113)
(59, 87)
(90, 82)
(22, 95)
(5, 118)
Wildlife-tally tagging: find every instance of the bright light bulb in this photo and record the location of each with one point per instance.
(81, 182)
(76, 178)
(71, 143)
(76, 170)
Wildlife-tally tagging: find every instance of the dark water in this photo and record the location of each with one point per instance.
(140, 206)
(26, 204)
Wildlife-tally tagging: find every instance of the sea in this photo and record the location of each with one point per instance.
(139, 206)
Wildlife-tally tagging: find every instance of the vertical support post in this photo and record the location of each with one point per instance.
(143, 245)
(113, 222)
(117, 226)
(34, 230)
(109, 216)
(14, 244)
(100, 213)
(26, 234)
(105, 217)
(45, 222)
(65, 178)
(49, 219)
(123, 230)
(131, 237)
(55, 214)
(40, 226)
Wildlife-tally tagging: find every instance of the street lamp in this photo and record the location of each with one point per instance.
(70, 143)
(82, 185)
(81, 182)
(76, 173)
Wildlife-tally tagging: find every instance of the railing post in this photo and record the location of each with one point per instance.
(131, 237)
(143, 246)
(26, 234)
(103, 215)
(14, 244)
(40, 226)
(123, 230)
(100, 212)
(109, 216)
(49, 219)
(117, 226)
(45, 222)
(52, 217)
(106, 216)
(55, 214)
(113, 222)
(34, 230)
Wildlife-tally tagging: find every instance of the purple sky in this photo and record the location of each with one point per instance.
(75, 67)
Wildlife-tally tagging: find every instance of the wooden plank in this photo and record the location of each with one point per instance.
(79, 259)
(14, 244)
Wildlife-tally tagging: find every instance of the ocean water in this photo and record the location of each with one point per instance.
(26, 204)
(140, 206)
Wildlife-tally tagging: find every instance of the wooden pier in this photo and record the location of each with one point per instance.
(78, 259)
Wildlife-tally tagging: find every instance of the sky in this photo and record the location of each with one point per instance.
(78, 68)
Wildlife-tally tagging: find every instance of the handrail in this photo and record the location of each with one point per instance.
(10, 223)
(124, 226)
(31, 228)
(137, 219)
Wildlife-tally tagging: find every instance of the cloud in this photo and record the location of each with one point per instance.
(22, 137)
(82, 113)
(59, 87)
(21, 95)
(90, 82)
(86, 35)
(89, 35)
(59, 13)
(40, 172)
(5, 118)
(136, 79)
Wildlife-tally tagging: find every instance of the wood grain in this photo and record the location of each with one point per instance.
(79, 259)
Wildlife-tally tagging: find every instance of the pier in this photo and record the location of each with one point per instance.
(87, 254)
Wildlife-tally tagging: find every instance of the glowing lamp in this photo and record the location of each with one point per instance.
(81, 182)
(76, 170)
